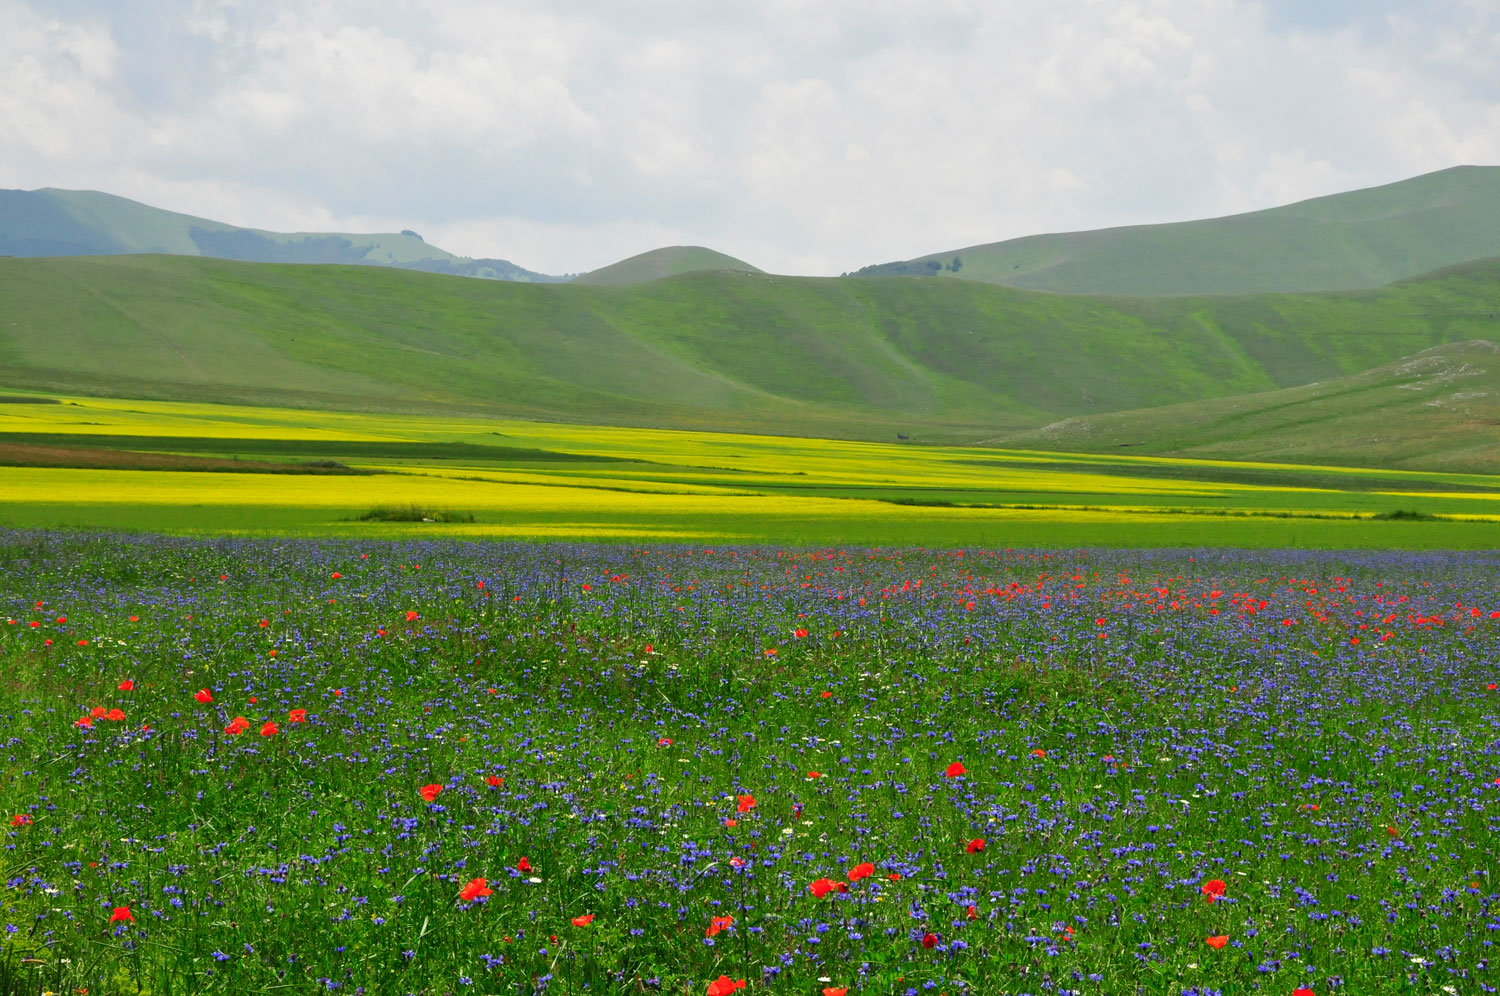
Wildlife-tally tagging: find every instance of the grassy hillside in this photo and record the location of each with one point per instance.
(932, 360)
(89, 223)
(1364, 238)
(1439, 409)
(666, 262)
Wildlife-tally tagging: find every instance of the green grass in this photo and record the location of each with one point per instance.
(669, 735)
(665, 262)
(937, 361)
(1439, 409)
(1362, 238)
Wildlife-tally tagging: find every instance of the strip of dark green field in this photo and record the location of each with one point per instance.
(307, 448)
(1247, 475)
(84, 458)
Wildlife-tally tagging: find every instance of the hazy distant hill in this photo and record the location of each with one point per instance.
(666, 262)
(1364, 238)
(88, 223)
(935, 360)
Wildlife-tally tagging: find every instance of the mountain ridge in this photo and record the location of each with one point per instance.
(1345, 241)
(55, 222)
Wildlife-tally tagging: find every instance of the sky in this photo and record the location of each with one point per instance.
(803, 136)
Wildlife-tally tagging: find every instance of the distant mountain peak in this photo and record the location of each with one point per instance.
(56, 222)
(668, 261)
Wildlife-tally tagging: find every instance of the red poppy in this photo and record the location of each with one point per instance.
(21, 820)
(823, 886)
(270, 729)
(718, 924)
(121, 914)
(799, 632)
(826, 695)
(412, 615)
(1392, 831)
(746, 803)
(97, 712)
(955, 769)
(1217, 941)
(1038, 753)
(1302, 992)
(974, 846)
(731, 822)
(477, 887)
(894, 876)
(237, 725)
(336, 575)
(724, 985)
(114, 716)
(1214, 888)
(204, 696)
(929, 940)
(494, 781)
(860, 871)
(126, 686)
(664, 742)
(814, 774)
(84, 722)
(430, 792)
(583, 921)
(297, 716)
(523, 865)
(831, 991)
(1491, 687)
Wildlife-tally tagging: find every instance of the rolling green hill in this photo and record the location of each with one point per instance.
(929, 359)
(1436, 410)
(1363, 238)
(88, 223)
(658, 263)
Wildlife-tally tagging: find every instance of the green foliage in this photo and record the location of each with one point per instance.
(414, 513)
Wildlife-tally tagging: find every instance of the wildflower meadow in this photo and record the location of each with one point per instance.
(255, 766)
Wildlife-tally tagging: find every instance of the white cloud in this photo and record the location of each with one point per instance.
(803, 135)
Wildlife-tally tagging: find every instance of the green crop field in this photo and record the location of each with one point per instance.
(171, 468)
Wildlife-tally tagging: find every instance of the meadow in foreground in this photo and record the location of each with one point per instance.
(249, 766)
